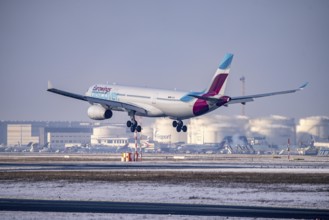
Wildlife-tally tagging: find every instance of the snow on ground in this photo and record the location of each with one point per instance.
(298, 170)
(101, 216)
(280, 195)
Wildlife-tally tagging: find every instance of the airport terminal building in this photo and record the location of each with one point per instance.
(21, 133)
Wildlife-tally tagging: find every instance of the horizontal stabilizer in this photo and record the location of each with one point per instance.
(205, 98)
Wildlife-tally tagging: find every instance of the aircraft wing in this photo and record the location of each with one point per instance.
(250, 98)
(64, 93)
(110, 103)
(93, 100)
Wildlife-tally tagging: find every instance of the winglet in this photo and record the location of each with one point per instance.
(303, 86)
(226, 62)
(50, 85)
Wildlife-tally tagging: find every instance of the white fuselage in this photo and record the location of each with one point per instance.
(157, 102)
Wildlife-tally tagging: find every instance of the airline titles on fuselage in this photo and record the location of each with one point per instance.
(100, 89)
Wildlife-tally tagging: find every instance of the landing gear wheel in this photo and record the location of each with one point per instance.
(132, 124)
(179, 125)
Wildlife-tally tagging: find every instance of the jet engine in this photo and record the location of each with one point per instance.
(98, 112)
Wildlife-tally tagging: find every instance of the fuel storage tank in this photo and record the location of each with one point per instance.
(213, 129)
(165, 133)
(276, 129)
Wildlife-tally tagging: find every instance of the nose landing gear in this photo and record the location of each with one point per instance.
(179, 125)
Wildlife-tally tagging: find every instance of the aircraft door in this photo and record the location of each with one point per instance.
(154, 98)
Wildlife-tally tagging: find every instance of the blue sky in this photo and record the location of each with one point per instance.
(168, 44)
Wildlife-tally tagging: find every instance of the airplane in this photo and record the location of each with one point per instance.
(148, 102)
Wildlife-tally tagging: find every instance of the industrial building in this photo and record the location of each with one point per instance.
(57, 133)
(205, 130)
(13, 133)
(20, 134)
(67, 137)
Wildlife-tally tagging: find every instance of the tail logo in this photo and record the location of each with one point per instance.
(217, 84)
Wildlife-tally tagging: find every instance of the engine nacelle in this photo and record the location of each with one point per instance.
(98, 112)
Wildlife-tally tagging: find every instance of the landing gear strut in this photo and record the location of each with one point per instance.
(179, 125)
(132, 124)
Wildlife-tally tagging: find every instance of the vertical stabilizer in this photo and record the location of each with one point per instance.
(218, 82)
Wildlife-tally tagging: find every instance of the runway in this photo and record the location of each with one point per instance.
(116, 166)
(85, 166)
(170, 172)
(158, 208)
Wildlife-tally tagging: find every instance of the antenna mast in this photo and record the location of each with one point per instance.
(243, 90)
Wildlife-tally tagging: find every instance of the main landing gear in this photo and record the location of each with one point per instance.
(132, 124)
(179, 125)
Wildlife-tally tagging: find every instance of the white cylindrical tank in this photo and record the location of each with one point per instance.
(110, 131)
(164, 132)
(276, 129)
(316, 126)
(213, 129)
(147, 131)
